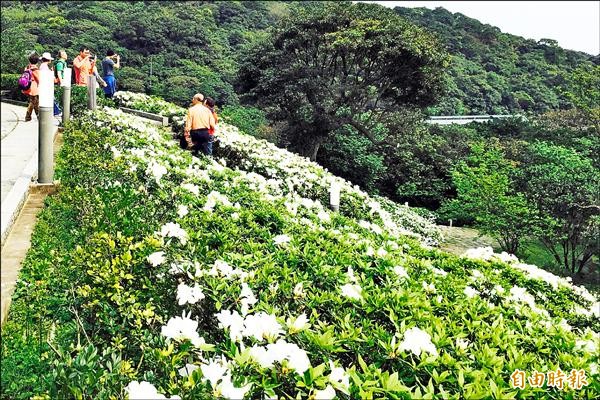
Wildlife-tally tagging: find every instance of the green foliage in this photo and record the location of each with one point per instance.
(250, 120)
(563, 186)
(494, 72)
(332, 64)
(486, 193)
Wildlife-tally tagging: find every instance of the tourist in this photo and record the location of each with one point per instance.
(32, 92)
(47, 66)
(83, 66)
(198, 122)
(210, 104)
(60, 65)
(108, 66)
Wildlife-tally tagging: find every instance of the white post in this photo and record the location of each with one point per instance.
(450, 221)
(46, 128)
(66, 85)
(334, 196)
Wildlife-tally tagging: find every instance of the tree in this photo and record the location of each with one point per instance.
(564, 187)
(486, 193)
(329, 65)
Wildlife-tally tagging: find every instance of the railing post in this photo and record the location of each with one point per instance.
(46, 128)
(66, 84)
(91, 89)
(334, 196)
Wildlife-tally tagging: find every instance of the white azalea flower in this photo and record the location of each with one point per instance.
(233, 321)
(297, 324)
(187, 370)
(470, 292)
(299, 291)
(171, 229)
(262, 326)
(281, 239)
(462, 343)
(417, 341)
(182, 328)
(156, 258)
(401, 272)
(144, 390)
(214, 371)
(339, 378)
(352, 291)
(182, 211)
(438, 271)
(429, 287)
(326, 394)
(191, 188)
(229, 391)
(187, 294)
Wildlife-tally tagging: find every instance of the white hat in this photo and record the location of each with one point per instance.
(47, 56)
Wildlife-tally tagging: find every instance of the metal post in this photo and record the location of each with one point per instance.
(46, 128)
(66, 105)
(66, 84)
(334, 196)
(91, 89)
(46, 145)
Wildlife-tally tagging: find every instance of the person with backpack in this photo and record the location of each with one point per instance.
(60, 66)
(108, 66)
(198, 122)
(28, 83)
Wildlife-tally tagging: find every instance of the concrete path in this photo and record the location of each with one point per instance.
(457, 240)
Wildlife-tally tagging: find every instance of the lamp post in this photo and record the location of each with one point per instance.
(334, 196)
(46, 128)
(66, 85)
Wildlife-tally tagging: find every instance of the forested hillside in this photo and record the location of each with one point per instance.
(494, 72)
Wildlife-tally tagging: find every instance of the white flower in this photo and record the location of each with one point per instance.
(187, 370)
(156, 258)
(156, 170)
(235, 216)
(144, 390)
(229, 391)
(299, 291)
(232, 320)
(429, 287)
(352, 291)
(214, 371)
(192, 188)
(297, 358)
(263, 357)
(417, 341)
(381, 252)
(470, 292)
(182, 328)
(281, 239)
(462, 343)
(351, 275)
(440, 272)
(182, 211)
(297, 324)
(171, 229)
(187, 294)
(588, 346)
(324, 216)
(339, 378)
(401, 272)
(326, 394)
(262, 326)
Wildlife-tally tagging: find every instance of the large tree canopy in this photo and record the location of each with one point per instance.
(328, 65)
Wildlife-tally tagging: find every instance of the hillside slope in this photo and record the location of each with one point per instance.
(156, 273)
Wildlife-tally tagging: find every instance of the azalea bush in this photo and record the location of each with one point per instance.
(301, 176)
(155, 274)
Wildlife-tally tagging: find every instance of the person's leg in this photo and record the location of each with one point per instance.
(29, 109)
(209, 145)
(36, 105)
(205, 143)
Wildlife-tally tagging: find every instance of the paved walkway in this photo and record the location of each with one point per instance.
(19, 143)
